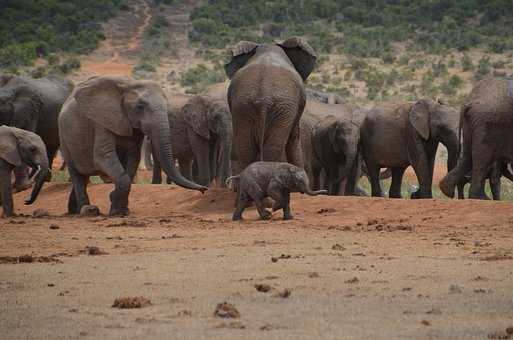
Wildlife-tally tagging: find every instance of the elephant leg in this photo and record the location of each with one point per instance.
(6, 187)
(482, 159)
(397, 180)
(281, 199)
(243, 201)
(107, 160)
(51, 155)
(373, 170)
(245, 142)
(78, 195)
(294, 149)
(420, 162)
(21, 178)
(131, 160)
(495, 186)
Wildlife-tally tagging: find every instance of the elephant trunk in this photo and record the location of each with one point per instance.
(160, 139)
(41, 177)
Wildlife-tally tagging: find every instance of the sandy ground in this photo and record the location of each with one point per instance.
(357, 268)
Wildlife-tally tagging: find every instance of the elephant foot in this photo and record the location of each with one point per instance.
(418, 195)
(265, 215)
(288, 216)
(446, 188)
(119, 211)
(237, 217)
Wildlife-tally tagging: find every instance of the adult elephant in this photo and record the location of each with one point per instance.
(334, 140)
(486, 124)
(33, 105)
(102, 127)
(201, 131)
(266, 97)
(398, 135)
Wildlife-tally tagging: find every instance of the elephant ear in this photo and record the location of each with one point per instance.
(195, 115)
(301, 54)
(419, 117)
(99, 98)
(332, 136)
(239, 56)
(9, 146)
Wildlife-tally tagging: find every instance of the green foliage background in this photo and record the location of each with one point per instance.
(363, 28)
(32, 28)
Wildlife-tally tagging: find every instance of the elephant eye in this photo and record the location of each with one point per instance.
(32, 149)
(140, 105)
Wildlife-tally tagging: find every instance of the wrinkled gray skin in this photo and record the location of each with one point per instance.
(33, 105)
(324, 97)
(267, 97)
(270, 179)
(497, 170)
(398, 135)
(334, 140)
(19, 147)
(201, 131)
(102, 128)
(486, 124)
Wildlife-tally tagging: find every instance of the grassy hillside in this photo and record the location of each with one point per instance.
(373, 50)
(41, 28)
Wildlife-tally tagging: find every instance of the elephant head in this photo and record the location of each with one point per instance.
(122, 105)
(297, 51)
(20, 103)
(211, 119)
(436, 120)
(297, 181)
(19, 147)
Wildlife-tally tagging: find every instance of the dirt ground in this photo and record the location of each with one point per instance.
(355, 268)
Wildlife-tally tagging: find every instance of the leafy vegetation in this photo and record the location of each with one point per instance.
(361, 28)
(37, 28)
(198, 78)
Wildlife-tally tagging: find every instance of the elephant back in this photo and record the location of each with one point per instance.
(492, 95)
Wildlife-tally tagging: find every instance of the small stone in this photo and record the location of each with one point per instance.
(226, 310)
(264, 288)
(454, 289)
(338, 247)
(40, 213)
(425, 323)
(89, 211)
(93, 251)
(54, 227)
(354, 280)
(131, 302)
(284, 294)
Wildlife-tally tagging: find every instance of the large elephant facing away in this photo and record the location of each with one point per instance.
(487, 125)
(397, 135)
(34, 105)
(201, 131)
(266, 97)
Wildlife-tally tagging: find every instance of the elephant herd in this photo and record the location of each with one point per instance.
(265, 114)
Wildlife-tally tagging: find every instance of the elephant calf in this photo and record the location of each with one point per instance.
(19, 147)
(270, 179)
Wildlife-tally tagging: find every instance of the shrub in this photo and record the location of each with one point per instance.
(466, 63)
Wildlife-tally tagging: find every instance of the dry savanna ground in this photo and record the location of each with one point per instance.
(345, 268)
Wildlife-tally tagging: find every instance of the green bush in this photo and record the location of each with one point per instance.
(30, 28)
(484, 68)
(198, 78)
(466, 63)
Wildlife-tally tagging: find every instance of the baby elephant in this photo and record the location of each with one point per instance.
(270, 179)
(19, 147)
